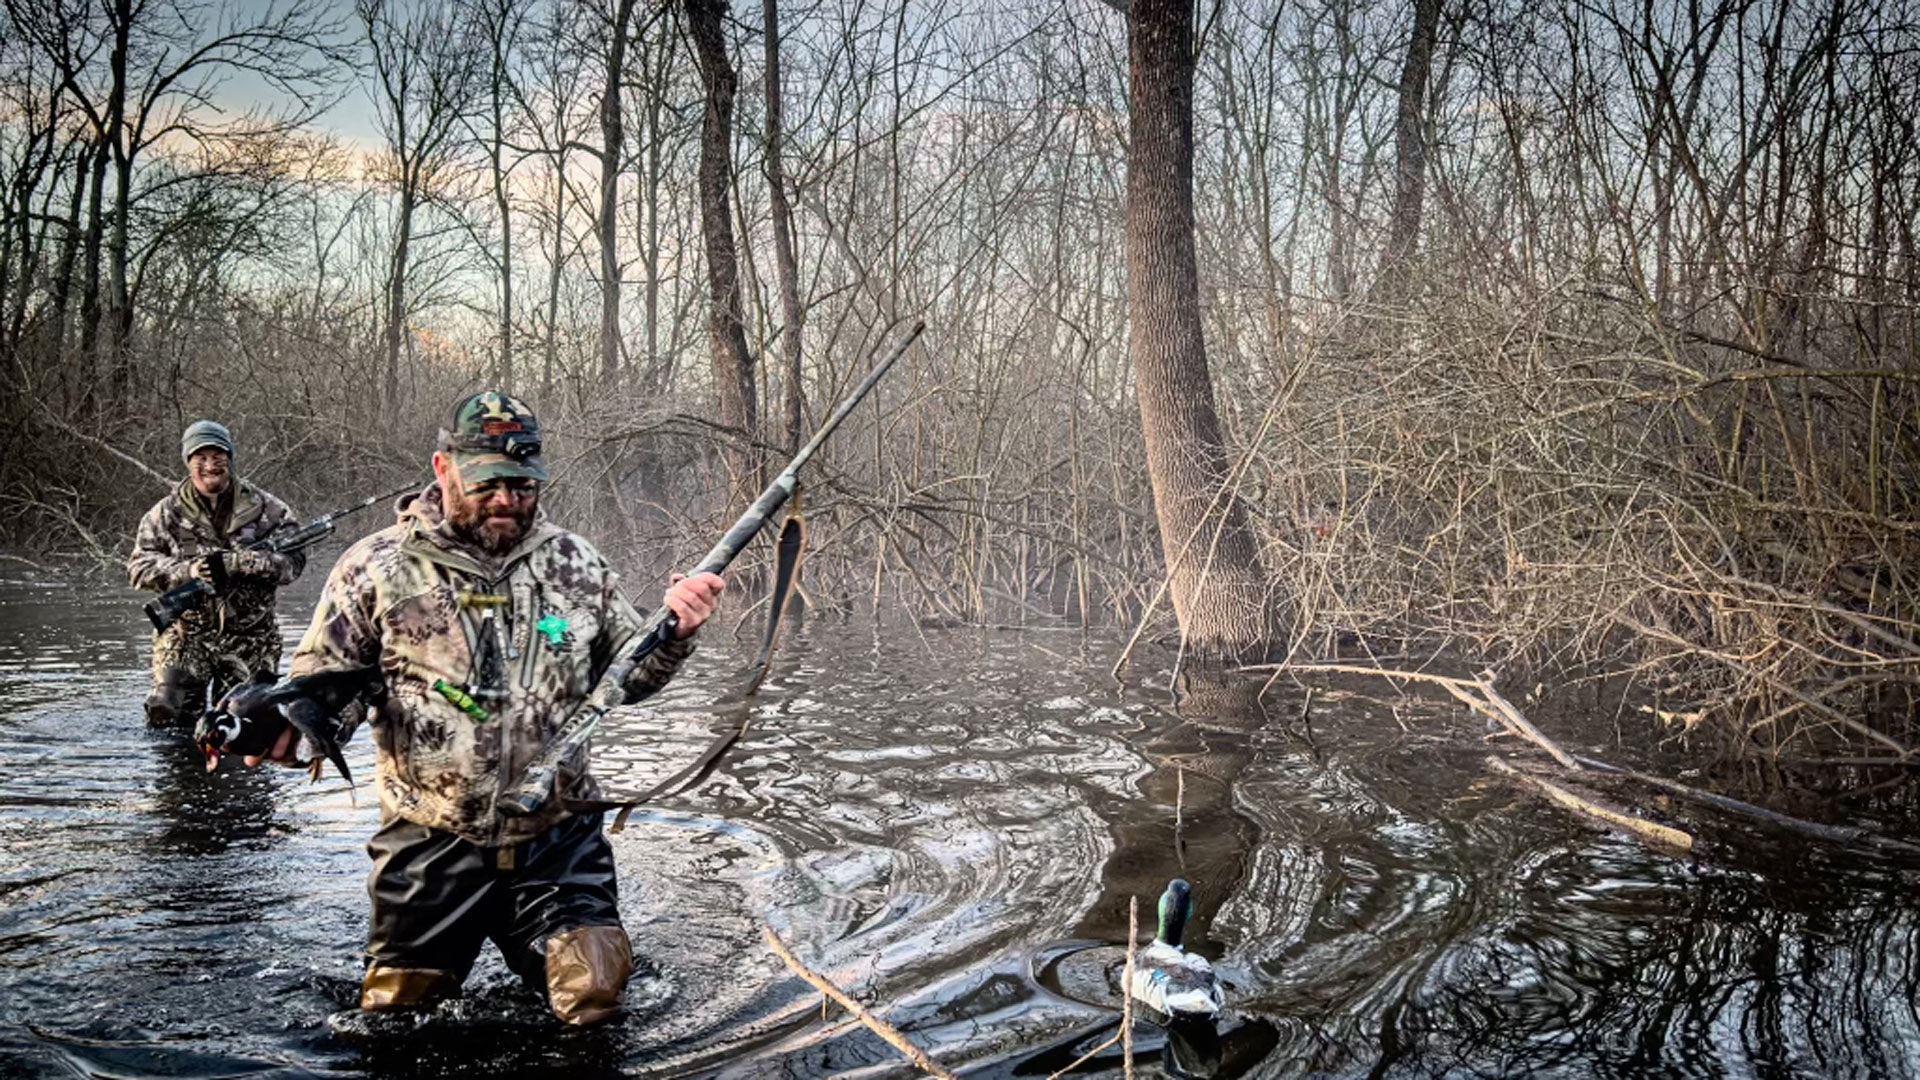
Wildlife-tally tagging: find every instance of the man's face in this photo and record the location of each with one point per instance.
(495, 515)
(210, 471)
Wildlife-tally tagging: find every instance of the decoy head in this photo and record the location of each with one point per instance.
(1176, 906)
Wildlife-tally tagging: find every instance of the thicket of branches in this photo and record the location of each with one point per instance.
(1630, 379)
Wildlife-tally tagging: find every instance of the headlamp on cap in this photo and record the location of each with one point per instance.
(518, 443)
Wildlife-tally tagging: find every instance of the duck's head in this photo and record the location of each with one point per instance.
(1176, 907)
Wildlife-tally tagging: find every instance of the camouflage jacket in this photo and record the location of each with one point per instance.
(525, 635)
(180, 529)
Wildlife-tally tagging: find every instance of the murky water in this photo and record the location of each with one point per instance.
(949, 824)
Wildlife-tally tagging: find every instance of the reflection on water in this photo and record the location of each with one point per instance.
(950, 825)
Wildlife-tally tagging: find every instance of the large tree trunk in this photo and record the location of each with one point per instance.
(611, 136)
(733, 375)
(54, 329)
(653, 195)
(783, 252)
(1410, 150)
(1216, 581)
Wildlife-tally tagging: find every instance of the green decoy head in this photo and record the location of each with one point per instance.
(1176, 907)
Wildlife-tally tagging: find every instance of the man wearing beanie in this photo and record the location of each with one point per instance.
(489, 625)
(232, 637)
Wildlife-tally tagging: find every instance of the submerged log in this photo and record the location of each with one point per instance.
(1661, 836)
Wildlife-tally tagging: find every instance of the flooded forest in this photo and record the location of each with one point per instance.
(1438, 475)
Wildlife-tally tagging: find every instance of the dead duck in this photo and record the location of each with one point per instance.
(1167, 978)
(251, 717)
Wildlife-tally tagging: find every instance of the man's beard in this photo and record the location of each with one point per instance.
(493, 534)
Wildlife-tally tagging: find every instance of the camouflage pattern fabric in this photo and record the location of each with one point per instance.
(180, 529)
(232, 636)
(212, 658)
(523, 635)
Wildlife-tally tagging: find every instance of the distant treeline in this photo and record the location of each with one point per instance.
(1576, 336)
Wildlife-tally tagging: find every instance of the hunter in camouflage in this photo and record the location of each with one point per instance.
(233, 637)
(489, 624)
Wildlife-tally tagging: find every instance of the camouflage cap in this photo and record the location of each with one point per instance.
(494, 436)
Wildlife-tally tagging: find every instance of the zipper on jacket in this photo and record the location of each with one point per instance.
(530, 649)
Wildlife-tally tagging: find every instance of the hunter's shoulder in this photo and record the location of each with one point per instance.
(167, 506)
(272, 506)
(565, 557)
(376, 551)
(163, 516)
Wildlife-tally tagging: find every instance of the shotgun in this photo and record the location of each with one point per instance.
(530, 795)
(166, 609)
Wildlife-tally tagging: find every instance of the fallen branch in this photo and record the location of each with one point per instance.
(879, 1027)
(168, 482)
(1661, 836)
(1838, 834)
(1521, 724)
(1491, 702)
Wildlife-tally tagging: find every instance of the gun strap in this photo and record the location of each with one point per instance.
(791, 546)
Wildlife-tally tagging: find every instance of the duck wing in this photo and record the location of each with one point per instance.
(1175, 982)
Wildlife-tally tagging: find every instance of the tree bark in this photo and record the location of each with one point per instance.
(556, 261)
(1410, 149)
(119, 319)
(500, 31)
(611, 135)
(397, 297)
(733, 375)
(90, 275)
(1216, 581)
(783, 251)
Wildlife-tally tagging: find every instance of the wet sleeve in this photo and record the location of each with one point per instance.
(156, 563)
(620, 623)
(343, 633)
(289, 563)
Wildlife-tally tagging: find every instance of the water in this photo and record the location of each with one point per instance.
(949, 824)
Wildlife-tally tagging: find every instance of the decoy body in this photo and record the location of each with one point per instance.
(1168, 979)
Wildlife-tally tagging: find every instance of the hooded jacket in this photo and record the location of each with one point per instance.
(524, 635)
(181, 528)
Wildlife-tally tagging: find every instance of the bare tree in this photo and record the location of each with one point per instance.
(423, 74)
(1218, 588)
(1410, 147)
(499, 23)
(162, 65)
(733, 374)
(782, 213)
(612, 138)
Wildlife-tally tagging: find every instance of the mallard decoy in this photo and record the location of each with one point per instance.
(1167, 978)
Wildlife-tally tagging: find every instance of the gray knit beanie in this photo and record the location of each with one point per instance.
(204, 433)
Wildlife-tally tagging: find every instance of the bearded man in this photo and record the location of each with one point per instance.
(212, 515)
(489, 625)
